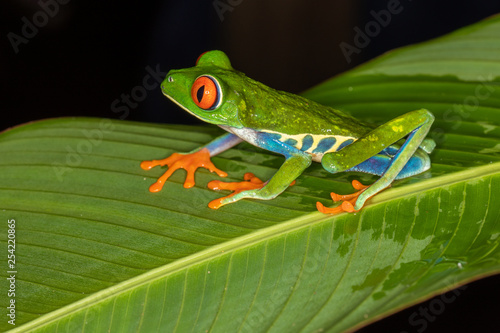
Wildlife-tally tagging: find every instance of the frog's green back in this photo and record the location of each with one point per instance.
(278, 111)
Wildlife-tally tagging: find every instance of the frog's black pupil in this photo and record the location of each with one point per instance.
(199, 93)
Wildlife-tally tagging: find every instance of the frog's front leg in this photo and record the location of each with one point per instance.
(414, 124)
(253, 188)
(192, 161)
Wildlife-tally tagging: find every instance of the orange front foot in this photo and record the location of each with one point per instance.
(251, 182)
(188, 162)
(348, 200)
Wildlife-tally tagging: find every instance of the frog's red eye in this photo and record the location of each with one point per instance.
(206, 92)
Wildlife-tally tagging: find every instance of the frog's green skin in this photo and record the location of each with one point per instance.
(301, 130)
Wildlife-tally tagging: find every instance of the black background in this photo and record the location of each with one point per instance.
(90, 54)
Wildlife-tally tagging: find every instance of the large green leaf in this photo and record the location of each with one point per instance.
(95, 251)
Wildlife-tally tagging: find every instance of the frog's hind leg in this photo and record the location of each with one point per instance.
(365, 154)
(378, 164)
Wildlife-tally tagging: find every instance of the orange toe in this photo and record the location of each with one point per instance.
(348, 200)
(326, 210)
(250, 182)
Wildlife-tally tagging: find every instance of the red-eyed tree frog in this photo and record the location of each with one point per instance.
(300, 129)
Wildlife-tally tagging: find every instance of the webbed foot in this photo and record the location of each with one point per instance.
(348, 200)
(189, 162)
(250, 182)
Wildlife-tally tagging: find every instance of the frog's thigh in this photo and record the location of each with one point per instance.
(413, 124)
(378, 164)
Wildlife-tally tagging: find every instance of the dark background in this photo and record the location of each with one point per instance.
(92, 54)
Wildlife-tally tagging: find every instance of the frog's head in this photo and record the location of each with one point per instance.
(207, 89)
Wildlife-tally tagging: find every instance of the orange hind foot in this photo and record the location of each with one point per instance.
(348, 200)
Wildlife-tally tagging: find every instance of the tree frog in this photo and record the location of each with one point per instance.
(301, 130)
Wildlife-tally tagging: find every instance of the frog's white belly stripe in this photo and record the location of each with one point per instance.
(247, 134)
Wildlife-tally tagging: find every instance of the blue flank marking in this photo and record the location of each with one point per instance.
(375, 165)
(345, 143)
(390, 151)
(272, 136)
(291, 142)
(271, 141)
(378, 165)
(307, 142)
(324, 145)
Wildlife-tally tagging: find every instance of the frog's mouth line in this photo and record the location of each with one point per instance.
(183, 107)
